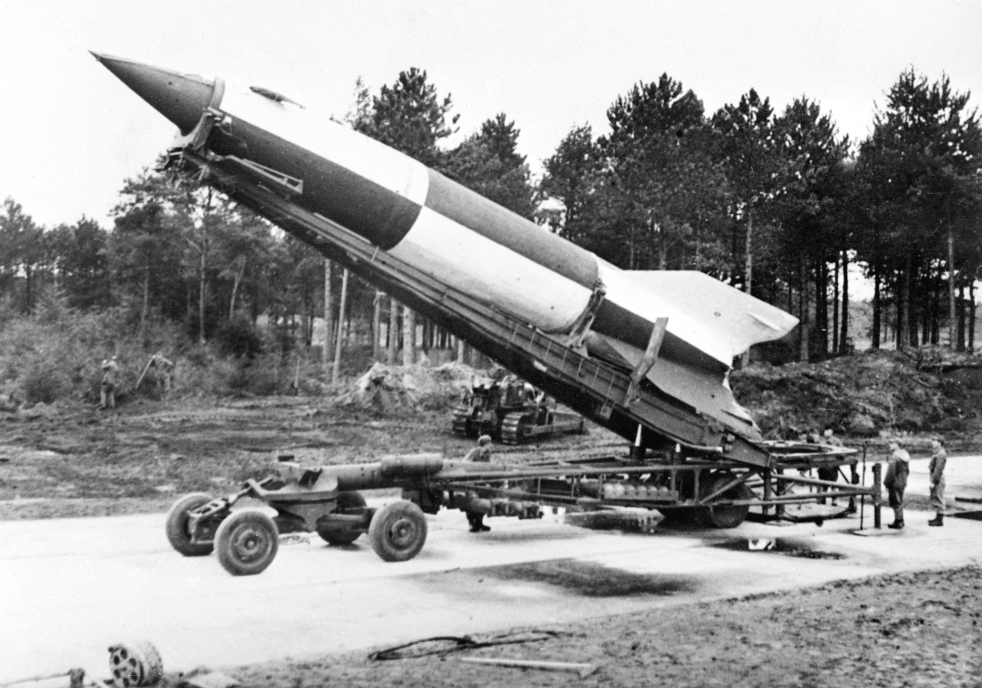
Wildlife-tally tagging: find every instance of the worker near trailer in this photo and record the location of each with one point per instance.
(829, 473)
(898, 468)
(939, 458)
(479, 454)
(482, 452)
(110, 378)
(164, 370)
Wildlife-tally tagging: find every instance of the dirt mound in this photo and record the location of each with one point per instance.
(386, 389)
(866, 395)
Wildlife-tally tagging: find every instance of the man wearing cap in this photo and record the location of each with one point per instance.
(479, 454)
(164, 369)
(482, 452)
(110, 376)
(939, 457)
(898, 468)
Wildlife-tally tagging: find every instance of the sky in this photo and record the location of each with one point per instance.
(74, 133)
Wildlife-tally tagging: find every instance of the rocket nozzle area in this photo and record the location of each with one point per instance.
(181, 98)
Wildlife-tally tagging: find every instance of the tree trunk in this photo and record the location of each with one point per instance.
(844, 336)
(146, 299)
(390, 358)
(910, 305)
(952, 340)
(202, 277)
(821, 308)
(377, 326)
(235, 290)
(408, 336)
(803, 315)
(903, 311)
(748, 269)
(877, 324)
(971, 316)
(328, 315)
(960, 308)
(835, 306)
(336, 372)
(28, 295)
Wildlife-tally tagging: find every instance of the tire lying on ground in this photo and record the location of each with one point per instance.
(398, 531)
(347, 501)
(177, 525)
(246, 542)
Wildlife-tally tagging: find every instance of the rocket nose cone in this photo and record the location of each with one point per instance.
(179, 97)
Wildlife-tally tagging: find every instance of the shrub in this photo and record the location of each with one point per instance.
(239, 338)
(42, 383)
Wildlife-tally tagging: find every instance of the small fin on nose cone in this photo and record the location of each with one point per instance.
(181, 98)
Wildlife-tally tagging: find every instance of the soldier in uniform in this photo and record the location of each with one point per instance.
(480, 454)
(939, 457)
(164, 370)
(829, 473)
(898, 468)
(110, 378)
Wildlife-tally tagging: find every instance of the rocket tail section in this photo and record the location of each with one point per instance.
(715, 318)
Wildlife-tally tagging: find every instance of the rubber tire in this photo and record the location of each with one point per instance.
(177, 525)
(247, 542)
(332, 536)
(398, 531)
(727, 516)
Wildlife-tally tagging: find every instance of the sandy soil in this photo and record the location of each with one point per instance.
(920, 629)
(82, 462)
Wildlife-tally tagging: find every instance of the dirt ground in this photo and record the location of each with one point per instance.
(920, 629)
(912, 629)
(76, 461)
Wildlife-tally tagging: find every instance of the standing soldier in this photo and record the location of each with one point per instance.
(829, 473)
(164, 371)
(898, 468)
(482, 454)
(110, 377)
(939, 457)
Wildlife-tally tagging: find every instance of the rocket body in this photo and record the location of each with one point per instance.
(470, 243)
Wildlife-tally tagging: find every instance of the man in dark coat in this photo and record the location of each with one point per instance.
(898, 468)
(939, 457)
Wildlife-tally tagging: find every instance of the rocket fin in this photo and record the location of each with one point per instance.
(704, 388)
(735, 320)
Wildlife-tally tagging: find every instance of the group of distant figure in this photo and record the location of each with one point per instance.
(895, 480)
(163, 373)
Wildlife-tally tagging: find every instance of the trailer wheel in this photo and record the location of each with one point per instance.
(246, 542)
(398, 531)
(178, 534)
(725, 516)
(336, 536)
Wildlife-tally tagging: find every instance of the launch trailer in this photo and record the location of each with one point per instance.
(645, 354)
(326, 499)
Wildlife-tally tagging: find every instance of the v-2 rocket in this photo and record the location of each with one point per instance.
(473, 245)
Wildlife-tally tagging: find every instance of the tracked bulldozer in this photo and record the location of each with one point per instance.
(511, 411)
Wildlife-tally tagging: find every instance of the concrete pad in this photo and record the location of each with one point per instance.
(72, 587)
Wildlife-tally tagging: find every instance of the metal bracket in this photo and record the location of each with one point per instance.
(647, 361)
(582, 325)
(278, 181)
